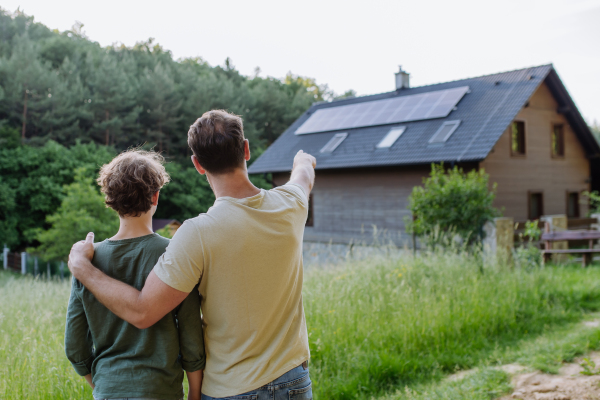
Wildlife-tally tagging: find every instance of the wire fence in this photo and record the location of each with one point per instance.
(25, 263)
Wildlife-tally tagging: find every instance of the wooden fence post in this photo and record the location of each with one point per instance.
(36, 270)
(61, 269)
(23, 263)
(499, 239)
(48, 270)
(557, 223)
(5, 257)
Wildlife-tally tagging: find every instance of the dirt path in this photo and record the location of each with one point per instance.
(569, 384)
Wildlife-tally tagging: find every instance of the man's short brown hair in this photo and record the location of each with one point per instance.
(217, 141)
(130, 180)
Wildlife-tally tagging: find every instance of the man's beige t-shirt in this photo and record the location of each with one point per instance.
(247, 255)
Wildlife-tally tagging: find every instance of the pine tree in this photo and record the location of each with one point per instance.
(161, 104)
(26, 82)
(113, 93)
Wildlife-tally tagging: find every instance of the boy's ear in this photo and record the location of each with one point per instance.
(155, 198)
(199, 168)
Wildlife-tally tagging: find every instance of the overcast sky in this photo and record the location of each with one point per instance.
(356, 44)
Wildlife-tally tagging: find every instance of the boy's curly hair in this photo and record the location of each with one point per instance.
(130, 180)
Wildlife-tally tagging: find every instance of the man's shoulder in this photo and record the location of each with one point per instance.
(291, 189)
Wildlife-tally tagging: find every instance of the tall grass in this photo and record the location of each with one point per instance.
(374, 325)
(33, 364)
(386, 323)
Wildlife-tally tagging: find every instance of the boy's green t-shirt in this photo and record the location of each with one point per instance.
(125, 361)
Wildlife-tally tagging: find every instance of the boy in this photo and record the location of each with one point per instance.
(117, 359)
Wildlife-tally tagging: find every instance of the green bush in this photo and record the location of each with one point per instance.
(82, 210)
(452, 202)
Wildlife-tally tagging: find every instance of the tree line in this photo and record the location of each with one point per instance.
(64, 87)
(68, 105)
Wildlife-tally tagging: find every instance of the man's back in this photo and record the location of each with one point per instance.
(248, 256)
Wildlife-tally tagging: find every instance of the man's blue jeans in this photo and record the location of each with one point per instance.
(293, 385)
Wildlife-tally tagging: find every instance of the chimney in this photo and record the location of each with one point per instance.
(402, 79)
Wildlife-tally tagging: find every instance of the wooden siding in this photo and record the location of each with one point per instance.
(348, 203)
(537, 170)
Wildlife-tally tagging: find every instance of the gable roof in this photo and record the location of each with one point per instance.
(485, 112)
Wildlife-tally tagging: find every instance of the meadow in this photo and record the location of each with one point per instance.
(375, 326)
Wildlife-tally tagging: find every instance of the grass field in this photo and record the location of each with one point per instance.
(374, 327)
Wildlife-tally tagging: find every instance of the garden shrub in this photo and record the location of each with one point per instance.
(451, 201)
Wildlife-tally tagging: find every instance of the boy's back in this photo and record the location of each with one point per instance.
(125, 361)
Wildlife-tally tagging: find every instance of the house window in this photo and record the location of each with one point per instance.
(391, 137)
(334, 142)
(517, 145)
(573, 205)
(309, 219)
(536, 205)
(444, 132)
(558, 141)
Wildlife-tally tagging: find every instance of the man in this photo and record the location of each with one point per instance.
(246, 253)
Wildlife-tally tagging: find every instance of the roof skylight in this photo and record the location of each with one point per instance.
(393, 135)
(445, 131)
(334, 142)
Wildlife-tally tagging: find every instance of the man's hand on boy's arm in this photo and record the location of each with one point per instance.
(140, 308)
(88, 378)
(303, 171)
(195, 384)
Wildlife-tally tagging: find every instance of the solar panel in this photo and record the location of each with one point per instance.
(391, 137)
(334, 142)
(413, 107)
(444, 132)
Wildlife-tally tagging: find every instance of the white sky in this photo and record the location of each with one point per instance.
(356, 44)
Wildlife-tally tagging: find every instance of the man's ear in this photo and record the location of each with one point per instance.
(246, 150)
(155, 198)
(199, 168)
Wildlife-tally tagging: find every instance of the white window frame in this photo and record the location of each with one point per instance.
(456, 124)
(334, 142)
(392, 137)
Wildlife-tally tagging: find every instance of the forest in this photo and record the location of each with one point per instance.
(66, 103)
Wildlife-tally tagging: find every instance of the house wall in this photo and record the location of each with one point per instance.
(347, 203)
(538, 171)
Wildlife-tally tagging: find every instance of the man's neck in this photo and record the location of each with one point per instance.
(235, 184)
(132, 227)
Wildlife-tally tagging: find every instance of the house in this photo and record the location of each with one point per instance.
(171, 224)
(521, 126)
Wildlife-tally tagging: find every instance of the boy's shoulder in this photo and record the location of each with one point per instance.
(153, 242)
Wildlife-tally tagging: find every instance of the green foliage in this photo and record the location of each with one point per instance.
(528, 255)
(589, 367)
(82, 210)
(594, 198)
(165, 232)
(61, 86)
(452, 201)
(413, 321)
(9, 137)
(187, 195)
(484, 384)
(387, 323)
(32, 181)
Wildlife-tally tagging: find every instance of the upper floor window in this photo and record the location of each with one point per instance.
(517, 144)
(558, 140)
